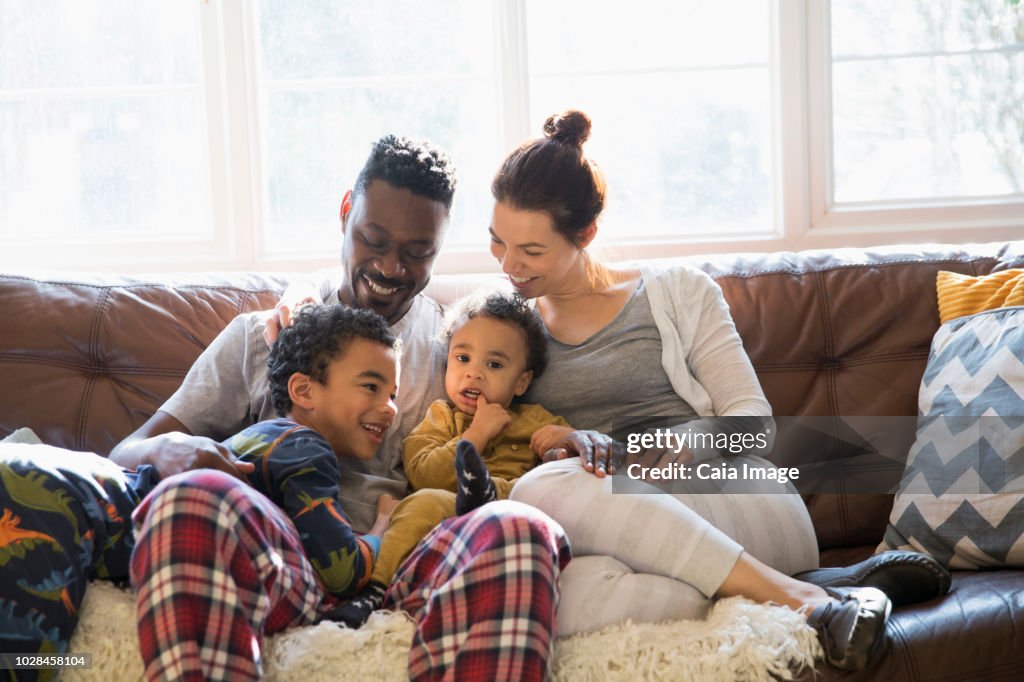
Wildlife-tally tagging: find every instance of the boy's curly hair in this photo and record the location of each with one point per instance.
(318, 335)
(420, 167)
(511, 308)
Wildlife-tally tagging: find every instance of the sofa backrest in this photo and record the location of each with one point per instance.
(845, 333)
(85, 359)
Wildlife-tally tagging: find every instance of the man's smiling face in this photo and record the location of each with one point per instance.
(391, 238)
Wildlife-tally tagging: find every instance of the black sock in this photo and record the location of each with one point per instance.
(357, 610)
(474, 487)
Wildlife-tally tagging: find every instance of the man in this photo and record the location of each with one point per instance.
(216, 567)
(393, 223)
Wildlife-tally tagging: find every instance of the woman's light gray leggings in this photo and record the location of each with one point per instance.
(658, 556)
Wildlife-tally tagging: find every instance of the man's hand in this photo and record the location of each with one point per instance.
(599, 453)
(488, 422)
(174, 453)
(282, 316)
(548, 437)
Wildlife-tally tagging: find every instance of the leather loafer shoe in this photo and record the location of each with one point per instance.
(852, 627)
(905, 577)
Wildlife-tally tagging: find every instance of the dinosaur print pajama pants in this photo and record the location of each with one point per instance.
(65, 518)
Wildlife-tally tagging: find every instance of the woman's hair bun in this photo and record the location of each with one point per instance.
(569, 127)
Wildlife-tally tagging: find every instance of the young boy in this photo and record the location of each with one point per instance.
(66, 517)
(332, 378)
(496, 346)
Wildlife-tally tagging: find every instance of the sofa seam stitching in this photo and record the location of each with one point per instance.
(94, 360)
(240, 304)
(827, 330)
(852, 362)
(829, 368)
(86, 368)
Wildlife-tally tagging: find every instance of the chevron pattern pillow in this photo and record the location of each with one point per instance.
(961, 498)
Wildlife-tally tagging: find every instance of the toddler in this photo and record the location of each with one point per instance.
(471, 448)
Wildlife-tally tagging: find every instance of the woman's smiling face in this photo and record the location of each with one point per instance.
(534, 255)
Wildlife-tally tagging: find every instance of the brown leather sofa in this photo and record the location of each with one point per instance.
(85, 359)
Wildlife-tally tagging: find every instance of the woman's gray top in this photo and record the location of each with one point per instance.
(612, 377)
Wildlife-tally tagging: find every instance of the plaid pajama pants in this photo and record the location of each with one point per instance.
(483, 590)
(217, 566)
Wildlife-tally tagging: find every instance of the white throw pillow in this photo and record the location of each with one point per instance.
(961, 498)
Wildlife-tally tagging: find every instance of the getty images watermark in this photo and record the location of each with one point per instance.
(669, 444)
(816, 455)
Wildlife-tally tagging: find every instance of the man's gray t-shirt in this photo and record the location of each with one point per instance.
(226, 390)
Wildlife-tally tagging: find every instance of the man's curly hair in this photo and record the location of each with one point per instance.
(511, 308)
(420, 167)
(318, 335)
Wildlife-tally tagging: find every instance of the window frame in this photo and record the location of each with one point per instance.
(805, 214)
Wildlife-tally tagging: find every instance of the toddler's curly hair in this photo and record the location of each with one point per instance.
(511, 308)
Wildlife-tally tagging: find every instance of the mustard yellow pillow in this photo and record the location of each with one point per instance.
(961, 295)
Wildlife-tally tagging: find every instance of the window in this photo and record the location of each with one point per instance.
(921, 111)
(361, 70)
(680, 94)
(926, 100)
(103, 127)
(221, 133)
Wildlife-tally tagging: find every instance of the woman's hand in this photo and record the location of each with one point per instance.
(548, 437)
(600, 454)
(282, 315)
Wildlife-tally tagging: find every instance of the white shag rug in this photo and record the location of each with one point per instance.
(739, 640)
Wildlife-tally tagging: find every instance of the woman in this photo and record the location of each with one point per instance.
(666, 346)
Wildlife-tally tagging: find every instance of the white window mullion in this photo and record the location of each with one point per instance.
(819, 109)
(790, 124)
(513, 66)
(218, 129)
(237, 144)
